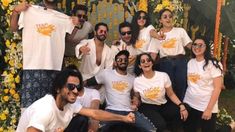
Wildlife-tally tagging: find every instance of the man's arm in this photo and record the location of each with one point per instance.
(94, 124)
(33, 129)
(107, 116)
(15, 15)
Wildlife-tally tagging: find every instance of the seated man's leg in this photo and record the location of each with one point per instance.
(143, 122)
(79, 123)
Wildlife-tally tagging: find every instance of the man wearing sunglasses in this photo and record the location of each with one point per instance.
(84, 30)
(118, 86)
(53, 112)
(125, 43)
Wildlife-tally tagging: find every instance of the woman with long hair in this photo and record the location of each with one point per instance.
(172, 52)
(152, 87)
(143, 31)
(204, 86)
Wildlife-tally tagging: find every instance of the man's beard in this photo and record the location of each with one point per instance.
(51, 1)
(100, 38)
(122, 68)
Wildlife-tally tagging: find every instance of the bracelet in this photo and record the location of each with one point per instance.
(182, 110)
(180, 104)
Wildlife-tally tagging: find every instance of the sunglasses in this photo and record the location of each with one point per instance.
(145, 61)
(82, 16)
(103, 31)
(142, 17)
(122, 59)
(124, 33)
(71, 87)
(199, 45)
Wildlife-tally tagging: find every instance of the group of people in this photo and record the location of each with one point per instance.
(144, 78)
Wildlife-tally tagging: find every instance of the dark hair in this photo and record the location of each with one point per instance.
(126, 24)
(207, 54)
(135, 26)
(72, 67)
(162, 11)
(137, 69)
(61, 79)
(101, 24)
(79, 7)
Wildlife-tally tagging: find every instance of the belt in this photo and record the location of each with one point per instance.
(174, 57)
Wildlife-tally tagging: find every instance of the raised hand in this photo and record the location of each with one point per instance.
(22, 6)
(85, 49)
(161, 36)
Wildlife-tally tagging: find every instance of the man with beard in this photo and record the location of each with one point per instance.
(43, 38)
(54, 111)
(125, 43)
(118, 86)
(84, 30)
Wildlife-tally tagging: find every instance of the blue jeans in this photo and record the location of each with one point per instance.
(177, 70)
(140, 120)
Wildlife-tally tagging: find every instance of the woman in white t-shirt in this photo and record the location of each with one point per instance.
(143, 31)
(153, 86)
(204, 87)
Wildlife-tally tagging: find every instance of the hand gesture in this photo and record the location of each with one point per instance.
(161, 35)
(85, 49)
(116, 42)
(135, 102)
(22, 6)
(183, 113)
(206, 114)
(130, 118)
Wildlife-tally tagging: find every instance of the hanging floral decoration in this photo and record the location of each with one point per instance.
(10, 79)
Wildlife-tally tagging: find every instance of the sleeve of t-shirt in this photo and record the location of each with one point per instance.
(21, 20)
(167, 80)
(100, 77)
(215, 72)
(185, 38)
(40, 118)
(150, 27)
(77, 107)
(154, 46)
(95, 95)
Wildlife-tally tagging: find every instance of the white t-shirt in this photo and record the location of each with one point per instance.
(79, 35)
(174, 44)
(44, 115)
(152, 91)
(144, 39)
(117, 89)
(88, 96)
(44, 37)
(200, 84)
(88, 66)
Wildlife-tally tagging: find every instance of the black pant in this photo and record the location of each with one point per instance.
(195, 122)
(162, 116)
(79, 123)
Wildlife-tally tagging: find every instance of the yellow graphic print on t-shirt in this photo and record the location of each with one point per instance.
(193, 77)
(120, 85)
(168, 44)
(152, 93)
(139, 44)
(45, 29)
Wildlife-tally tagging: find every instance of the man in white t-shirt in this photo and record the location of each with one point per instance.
(43, 38)
(125, 43)
(118, 85)
(54, 111)
(82, 31)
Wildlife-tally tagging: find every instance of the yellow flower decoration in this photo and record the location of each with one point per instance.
(3, 117)
(6, 2)
(6, 98)
(16, 96)
(12, 91)
(17, 79)
(143, 5)
(6, 91)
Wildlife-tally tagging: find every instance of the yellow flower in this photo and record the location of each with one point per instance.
(13, 85)
(11, 63)
(6, 98)
(158, 8)
(16, 97)
(143, 5)
(13, 121)
(1, 129)
(17, 79)
(8, 43)
(6, 58)
(12, 91)
(6, 91)
(11, 77)
(166, 3)
(13, 44)
(6, 112)
(6, 2)
(20, 65)
(3, 117)
(4, 73)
